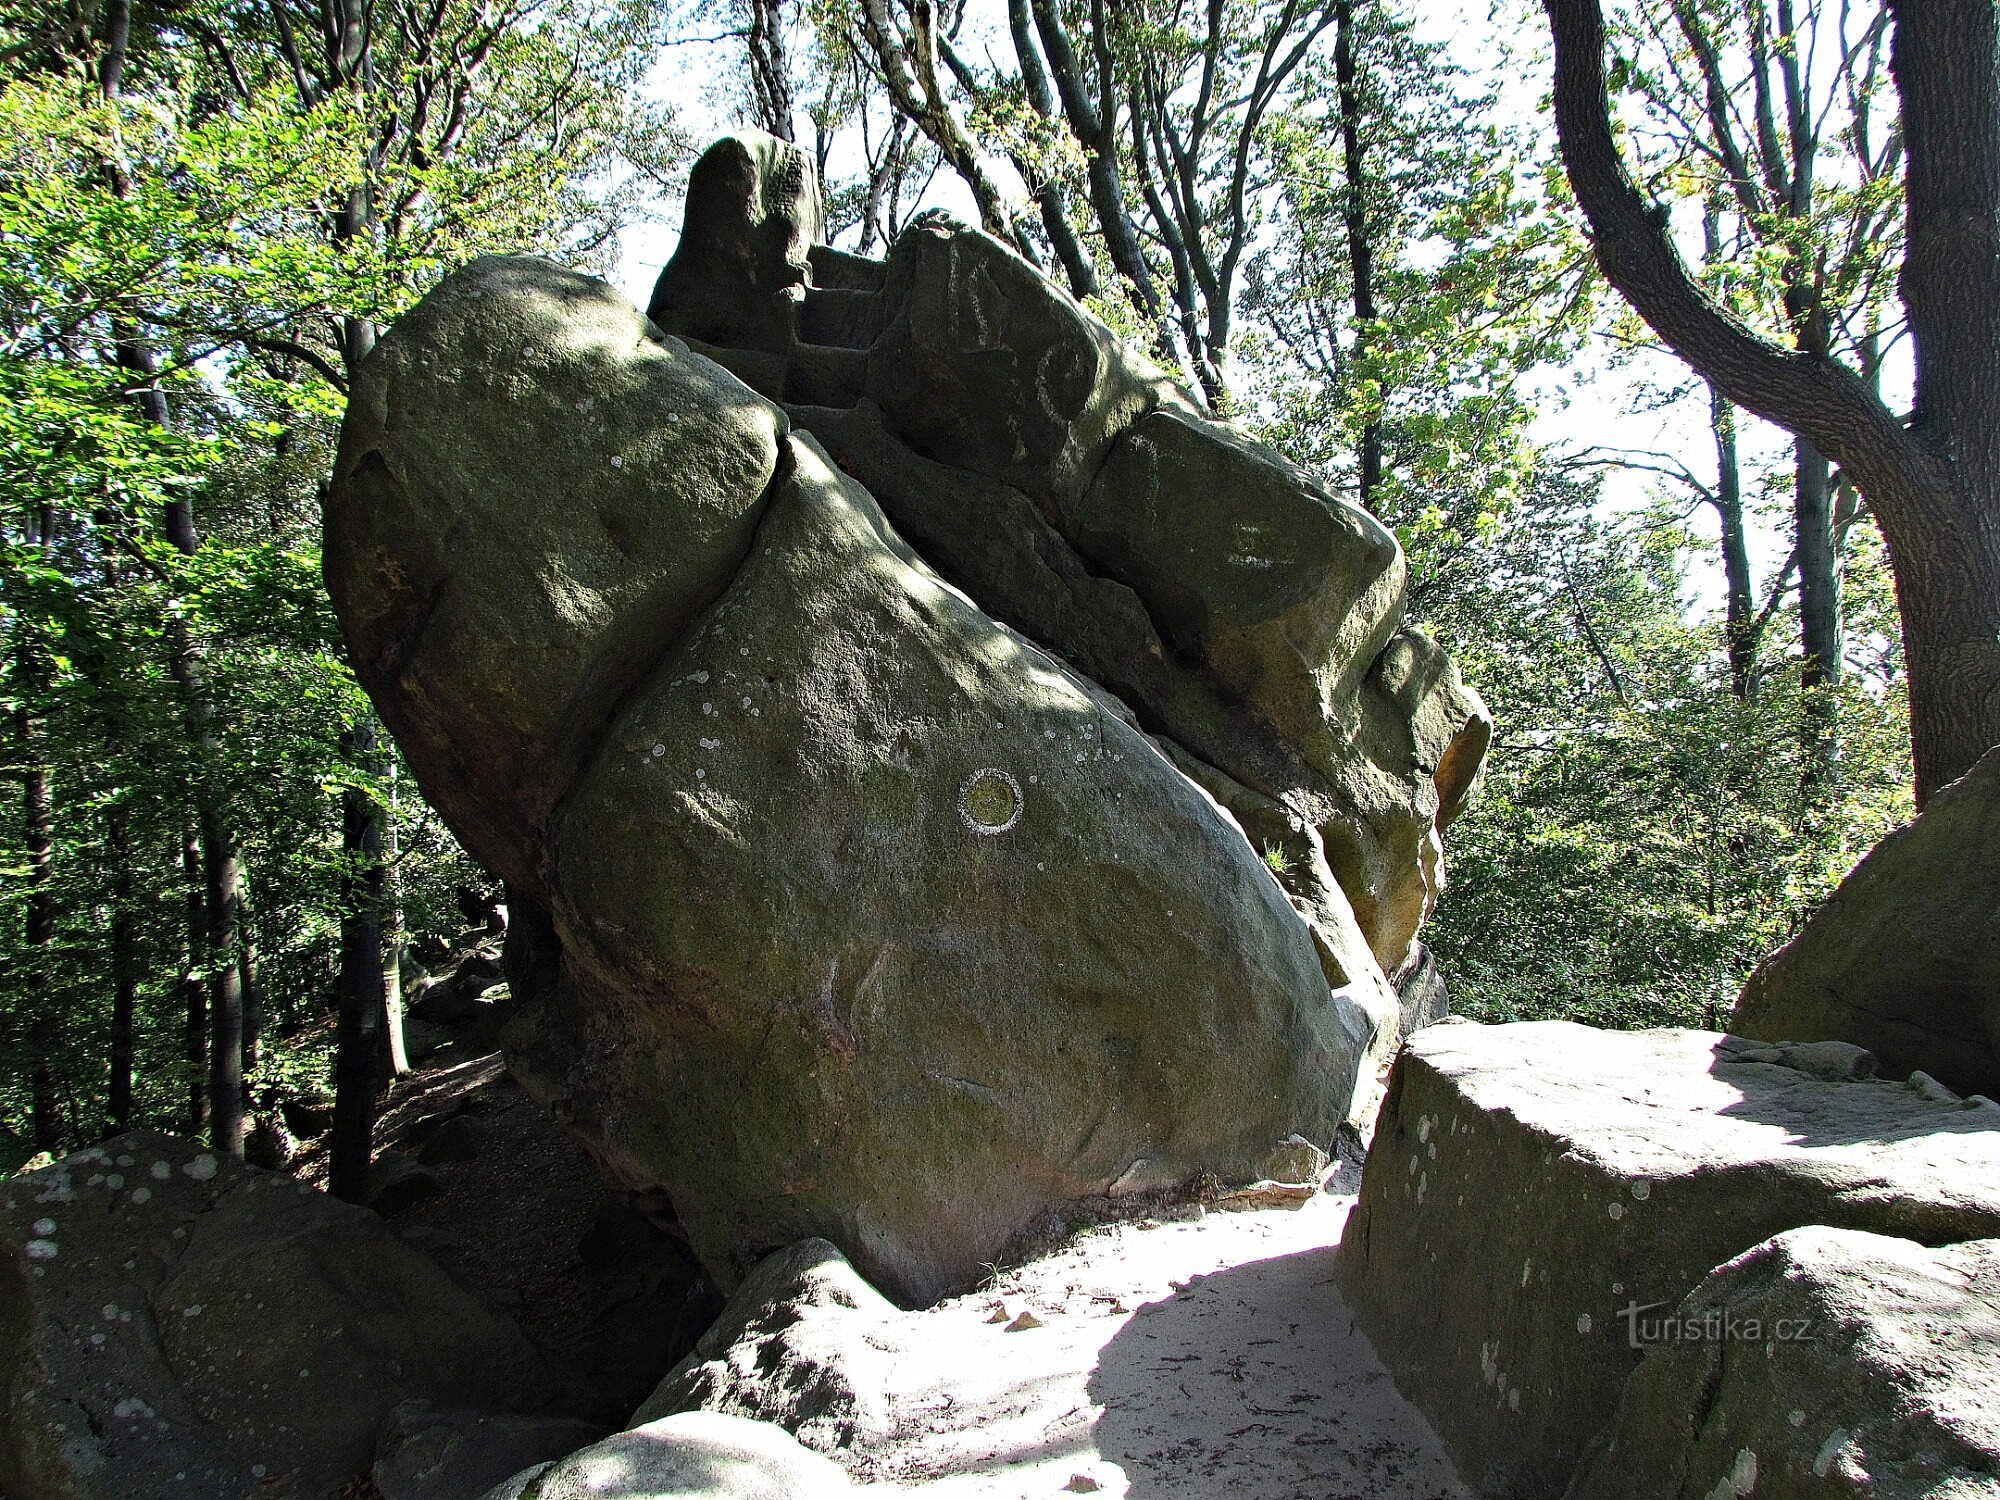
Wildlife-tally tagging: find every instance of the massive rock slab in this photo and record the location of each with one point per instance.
(867, 918)
(1904, 957)
(1535, 1188)
(174, 1323)
(904, 896)
(1822, 1364)
(1249, 616)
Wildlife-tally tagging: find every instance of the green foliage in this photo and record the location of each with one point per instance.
(1642, 840)
(184, 238)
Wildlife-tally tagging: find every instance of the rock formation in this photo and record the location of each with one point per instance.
(1542, 1197)
(886, 863)
(175, 1323)
(695, 1456)
(1822, 1362)
(1904, 957)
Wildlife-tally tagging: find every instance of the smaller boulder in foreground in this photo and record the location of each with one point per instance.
(174, 1324)
(698, 1455)
(1822, 1365)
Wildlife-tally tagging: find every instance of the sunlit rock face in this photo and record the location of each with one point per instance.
(880, 699)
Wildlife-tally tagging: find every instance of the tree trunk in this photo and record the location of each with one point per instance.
(223, 881)
(1740, 618)
(1360, 244)
(124, 967)
(194, 987)
(1934, 485)
(1821, 640)
(770, 83)
(38, 835)
(361, 994)
(251, 986)
(393, 944)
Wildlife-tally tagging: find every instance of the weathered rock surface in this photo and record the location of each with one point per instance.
(1904, 957)
(1823, 1363)
(848, 902)
(694, 1456)
(520, 523)
(743, 280)
(1241, 609)
(1103, 987)
(427, 1454)
(1530, 1183)
(801, 1344)
(173, 1323)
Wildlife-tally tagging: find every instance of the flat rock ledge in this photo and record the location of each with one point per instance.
(1542, 1197)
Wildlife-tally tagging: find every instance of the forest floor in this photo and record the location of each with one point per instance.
(1198, 1357)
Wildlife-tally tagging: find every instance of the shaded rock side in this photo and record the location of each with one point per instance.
(173, 1323)
(535, 493)
(427, 1454)
(1823, 1364)
(1904, 957)
(947, 942)
(695, 1456)
(1530, 1182)
(741, 280)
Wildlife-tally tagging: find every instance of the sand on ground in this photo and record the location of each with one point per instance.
(1204, 1357)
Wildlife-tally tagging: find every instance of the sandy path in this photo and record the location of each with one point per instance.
(1194, 1359)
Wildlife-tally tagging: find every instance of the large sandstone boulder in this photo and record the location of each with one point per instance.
(853, 900)
(174, 1323)
(1904, 957)
(951, 943)
(1073, 490)
(1531, 1185)
(1823, 1363)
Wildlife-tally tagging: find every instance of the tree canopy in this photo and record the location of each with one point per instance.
(1349, 231)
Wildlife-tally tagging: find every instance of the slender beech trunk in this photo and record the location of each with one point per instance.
(1740, 619)
(194, 990)
(1360, 241)
(217, 853)
(393, 938)
(222, 877)
(770, 82)
(124, 966)
(38, 835)
(361, 993)
(253, 997)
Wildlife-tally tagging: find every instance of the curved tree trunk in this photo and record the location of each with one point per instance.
(1934, 485)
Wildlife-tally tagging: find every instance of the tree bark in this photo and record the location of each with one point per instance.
(361, 993)
(770, 83)
(1360, 242)
(1935, 486)
(124, 967)
(1740, 631)
(38, 835)
(223, 896)
(194, 989)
